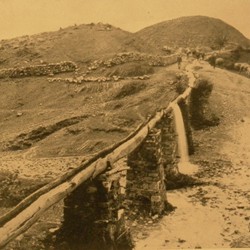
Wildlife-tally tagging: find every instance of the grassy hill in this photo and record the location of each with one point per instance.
(77, 43)
(88, 42)
(190, 31)
(34, 111)
(45, 123)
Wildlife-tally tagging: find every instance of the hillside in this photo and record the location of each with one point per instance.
(61, 119)
(216, 214)
(190, 32)
(80, 44)
(88, 42)
(58, 125)
(51, 124)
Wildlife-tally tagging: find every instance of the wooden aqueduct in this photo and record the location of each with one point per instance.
(94, 193)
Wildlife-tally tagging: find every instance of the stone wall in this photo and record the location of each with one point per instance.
(83, 78)
(38, 70)
(125, 57)
(155, 161)
(242, 68)
(146, 187)
(94, 214)
(169, 146)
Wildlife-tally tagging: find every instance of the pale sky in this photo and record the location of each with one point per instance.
(26, 17)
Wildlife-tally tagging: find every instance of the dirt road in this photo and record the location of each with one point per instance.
(216, 214)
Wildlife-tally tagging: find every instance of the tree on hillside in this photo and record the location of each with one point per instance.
(221, 39)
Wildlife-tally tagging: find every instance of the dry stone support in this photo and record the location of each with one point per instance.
(94, 214)
(169, 146)
(146, 187)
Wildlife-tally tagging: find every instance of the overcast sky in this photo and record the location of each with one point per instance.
(25, 17)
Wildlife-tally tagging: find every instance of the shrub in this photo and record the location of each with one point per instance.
(130, 89)
(132, 69)
(219, 61)
(199, 107)
(13, 189)
(181, 83)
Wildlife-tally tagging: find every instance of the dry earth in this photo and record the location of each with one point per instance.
(216, 214)
(213, 215)
(50, 128)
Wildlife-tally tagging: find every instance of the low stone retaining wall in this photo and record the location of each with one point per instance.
(39, 70)
(119, 59)
(81, 79)
(122, 58)
(243, 68)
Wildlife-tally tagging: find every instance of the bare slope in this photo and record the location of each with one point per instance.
(77, 43)
(189, 32)
(82, 43)
(65, 119)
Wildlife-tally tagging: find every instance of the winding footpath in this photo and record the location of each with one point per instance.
(216, 214)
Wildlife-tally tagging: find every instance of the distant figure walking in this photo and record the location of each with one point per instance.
(212, 61)
(179, 60)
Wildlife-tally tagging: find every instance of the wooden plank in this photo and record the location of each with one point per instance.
(29, 216)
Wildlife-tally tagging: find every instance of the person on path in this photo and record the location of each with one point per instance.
(179, 60)
(212, 61)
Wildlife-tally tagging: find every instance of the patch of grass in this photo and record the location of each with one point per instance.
(181, 83)
(131, 69)
(130, 89)
(13, 189)
(196, 68)
(200, 113)
(26, 140)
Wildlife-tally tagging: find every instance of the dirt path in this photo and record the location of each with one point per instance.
(217, 214)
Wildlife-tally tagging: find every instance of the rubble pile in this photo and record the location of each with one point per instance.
(39, 70)
(83, 78)
(125, 57)
(243, 68)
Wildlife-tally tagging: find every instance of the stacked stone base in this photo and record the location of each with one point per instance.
(38, 70)
(146, 187)
(94, 216)
(94, 213)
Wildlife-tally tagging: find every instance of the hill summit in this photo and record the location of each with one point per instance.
(191, 31)
(86, 42)
(78, 43)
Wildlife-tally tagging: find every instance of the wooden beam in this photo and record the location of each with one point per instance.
(32, 197)
(29, 210)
